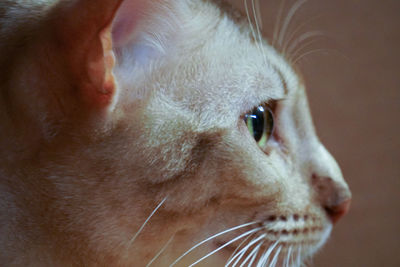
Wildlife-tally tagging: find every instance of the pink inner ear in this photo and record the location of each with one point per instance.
(126, 20)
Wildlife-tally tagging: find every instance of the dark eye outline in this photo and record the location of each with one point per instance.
(260, 123)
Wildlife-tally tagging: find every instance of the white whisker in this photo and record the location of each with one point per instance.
(252, 254)
(288, 19)
(261, 259)
(253, 32)
(295, 53)
(278, 22)
(298, 259)
(145, 222)
(289, 253)
(241, 254)
(225, 245)
(255, 255)
(303, 38)
(258, 15)
(264, 259)
(161, 251)
(243, 251)
(291, 257)
(238, 247)
(312, 52)
(275, 258)
(212, 237)
(258, 26)
(289, 39)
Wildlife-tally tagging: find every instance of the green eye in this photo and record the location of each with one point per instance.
(260, 123)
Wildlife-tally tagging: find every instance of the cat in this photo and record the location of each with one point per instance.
(155, 133)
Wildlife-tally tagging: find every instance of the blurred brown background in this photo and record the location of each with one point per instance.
(354, 93)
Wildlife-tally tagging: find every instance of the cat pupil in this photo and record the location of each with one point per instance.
(260, 123)
(257, 121)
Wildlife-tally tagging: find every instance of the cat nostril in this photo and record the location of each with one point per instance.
(338, 211)
(334, 196)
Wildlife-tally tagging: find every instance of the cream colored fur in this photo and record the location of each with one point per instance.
(77, 183)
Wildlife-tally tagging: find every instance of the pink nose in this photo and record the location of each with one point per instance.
(338, 211)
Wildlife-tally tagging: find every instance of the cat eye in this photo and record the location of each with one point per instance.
(260, 123)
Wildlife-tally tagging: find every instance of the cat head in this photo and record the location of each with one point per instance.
(154, 125)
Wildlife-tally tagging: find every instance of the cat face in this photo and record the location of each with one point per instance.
(173, 136)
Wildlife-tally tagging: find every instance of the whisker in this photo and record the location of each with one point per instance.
(275, 258)
(304, 37)
(253, 33)
(253, 253)
(258, 26)
(315, 51)
(287, 261)
(243, 251)
(256, 37)
(278, 22)
(288, 19)
(264, 259)
(161, 251)
(288, 40)
(258, 15)
(298, 259)
(261, 259)
(291, 257)
(225, 245)
(212, 237)
(238, 247)
(145, 222)
(239, 253)
(295, 53)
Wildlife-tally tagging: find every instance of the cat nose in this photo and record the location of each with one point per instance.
(335, 212)
(333, 195)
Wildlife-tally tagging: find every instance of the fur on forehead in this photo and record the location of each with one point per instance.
(196, 53)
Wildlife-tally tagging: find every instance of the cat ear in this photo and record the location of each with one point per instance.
(86, 32)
